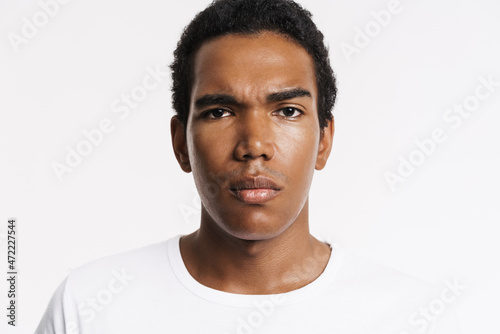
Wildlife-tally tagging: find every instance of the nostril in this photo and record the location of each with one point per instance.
(250, 156)
(253, 149)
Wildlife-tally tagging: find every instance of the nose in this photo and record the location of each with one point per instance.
(255, 137)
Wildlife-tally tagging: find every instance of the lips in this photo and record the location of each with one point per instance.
(255, 190)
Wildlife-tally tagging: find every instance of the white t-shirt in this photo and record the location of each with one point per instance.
(149, 290)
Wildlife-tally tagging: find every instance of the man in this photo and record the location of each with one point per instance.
(253, 90)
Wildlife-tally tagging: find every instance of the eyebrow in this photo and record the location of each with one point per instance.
(288, 95)
(217, 99)
(214, 99)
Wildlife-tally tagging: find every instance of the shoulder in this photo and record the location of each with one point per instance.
(81, 299)
(379, 291)
(375, 276)
(115, 272)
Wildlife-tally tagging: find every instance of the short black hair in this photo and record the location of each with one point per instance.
(224, 17)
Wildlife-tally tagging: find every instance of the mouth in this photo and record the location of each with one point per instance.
(255, 190)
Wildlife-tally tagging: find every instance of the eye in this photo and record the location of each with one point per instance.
(290, 112)
(215, 113)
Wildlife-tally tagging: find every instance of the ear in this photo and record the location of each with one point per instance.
(179, 143)
(325, 145)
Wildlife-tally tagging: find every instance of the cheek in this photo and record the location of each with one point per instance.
(203, 158)
(210, 154)
(205, 149)
(212, 151)
(298, 148)
(299, 158)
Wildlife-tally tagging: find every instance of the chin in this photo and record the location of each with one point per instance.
(255, 230)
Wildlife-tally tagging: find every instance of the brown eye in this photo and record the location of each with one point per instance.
(291, 112)
(215, 113)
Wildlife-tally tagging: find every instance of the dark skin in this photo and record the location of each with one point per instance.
(253, 112)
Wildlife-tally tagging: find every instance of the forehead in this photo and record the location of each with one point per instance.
(252, 64)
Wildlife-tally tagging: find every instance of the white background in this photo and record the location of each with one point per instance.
(440, 223)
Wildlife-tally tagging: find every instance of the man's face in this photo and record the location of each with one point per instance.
(253, 115)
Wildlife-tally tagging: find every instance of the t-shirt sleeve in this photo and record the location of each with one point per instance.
(57, 319)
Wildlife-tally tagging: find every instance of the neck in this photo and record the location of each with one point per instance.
(278, 264)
